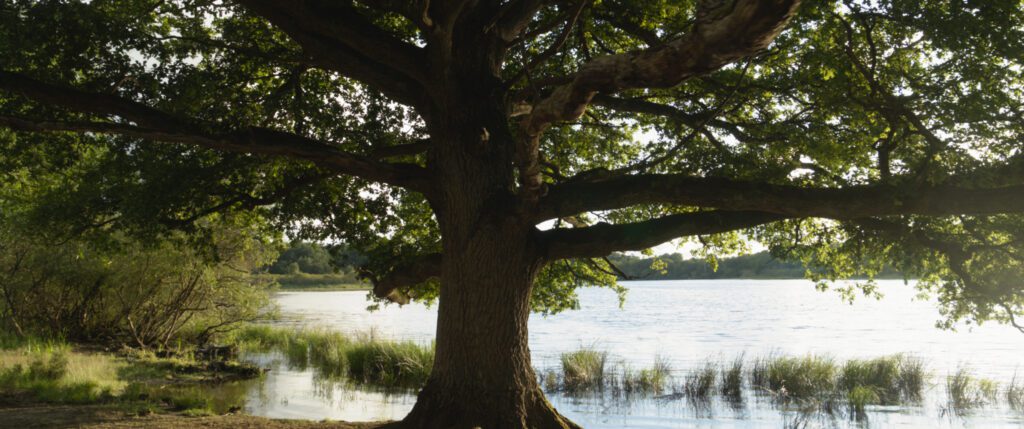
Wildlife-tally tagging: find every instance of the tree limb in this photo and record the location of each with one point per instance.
(417, 271)
(339, 38)
(795, 201)
(413, 148)
(602, 239)
(153, 124)
(514, 17)
(724, 33)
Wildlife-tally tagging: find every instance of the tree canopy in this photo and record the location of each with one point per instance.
(439, 138)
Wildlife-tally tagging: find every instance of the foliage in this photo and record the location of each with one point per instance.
(338, 281)
(888, 93)
(313, 258)
(127, 291)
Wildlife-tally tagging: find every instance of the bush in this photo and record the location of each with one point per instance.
(123, 290)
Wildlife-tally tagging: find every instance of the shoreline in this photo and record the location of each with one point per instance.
(109, 417)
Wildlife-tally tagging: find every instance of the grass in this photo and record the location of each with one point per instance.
(965, 391)
(859, 397)
(1015, 394)
(334, 356)
(584, 370)
(390, 364)
(891, 379)
(700, 384)
(732, 380)
(646, 380)
(59, 376)
(54, 372)
(798, 377)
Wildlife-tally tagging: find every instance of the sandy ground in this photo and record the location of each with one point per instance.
(99, 417)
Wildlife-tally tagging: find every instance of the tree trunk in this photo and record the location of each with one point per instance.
(482, 375)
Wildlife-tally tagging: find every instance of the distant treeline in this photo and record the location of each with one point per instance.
(759, 265)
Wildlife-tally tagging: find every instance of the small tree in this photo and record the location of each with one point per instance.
(484, 153)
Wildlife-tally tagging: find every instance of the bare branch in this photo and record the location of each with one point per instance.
(417, 271)
(153, 124)
(724, 33)
(602, 239)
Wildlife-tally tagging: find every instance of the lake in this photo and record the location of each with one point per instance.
(685, 323)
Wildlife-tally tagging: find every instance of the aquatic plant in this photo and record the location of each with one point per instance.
(879, 376)
(700, 384)
(1015, 394)
(965, 391)
(583, 370)
(800, 377)
(732, 379)
(859, 397)
(390, 364)
(647, 380)
(913, 377)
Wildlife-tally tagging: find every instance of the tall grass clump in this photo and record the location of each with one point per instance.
(62, 377)
(700, 384)
(880, 376)
(965, 391)
(261, 338)
(859, 397)
(390, 364)
(799, 377)
(913, 377)
(732, 380)
(1015, 394)
(326, 351)
(647, 380)
(759, 371)
(583, 370)
(32, 344)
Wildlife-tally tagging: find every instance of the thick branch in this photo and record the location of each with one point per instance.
(415, 272)
(338, 38)
(602, 239)
(724, 33)
(407, 149)
(515, 16)
(795, 201)
(153, 124)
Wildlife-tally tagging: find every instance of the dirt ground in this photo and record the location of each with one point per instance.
(99, 417)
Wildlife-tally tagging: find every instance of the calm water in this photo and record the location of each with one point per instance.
(685, 322)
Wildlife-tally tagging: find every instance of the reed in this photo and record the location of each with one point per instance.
(390, 364)
(965, 391)
(700, 384)
(647, 380)
(583, 370)
(1015, 394)
(798, 377)
(732, 379)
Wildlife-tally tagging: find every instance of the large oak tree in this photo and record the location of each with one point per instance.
(490, 154)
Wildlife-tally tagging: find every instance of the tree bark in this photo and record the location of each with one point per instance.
(482, 375)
